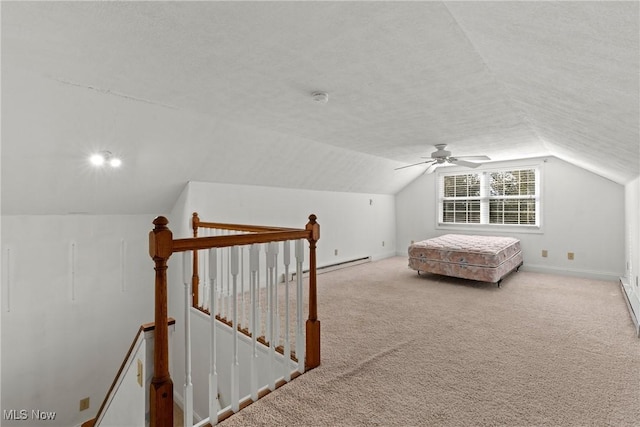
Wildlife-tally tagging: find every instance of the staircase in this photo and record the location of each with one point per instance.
(256, 340)
(126, 402)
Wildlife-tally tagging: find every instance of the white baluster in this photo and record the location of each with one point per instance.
(219, 290)
(204, 295)
(254, 260)
(271, 313)
(228, 281)
(188, 387)
(202, 280)
(300, 340)
(267, 266)
(213, 372)
(235, 367)
(259, 298)
(243, 319)
(206, 286)
(286, 258)
(224, 260)
(220, 279)
(276, 314)
(222, 295)
(204, 300)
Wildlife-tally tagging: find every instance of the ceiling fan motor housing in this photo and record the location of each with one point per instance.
(441, 156)
(441, 151)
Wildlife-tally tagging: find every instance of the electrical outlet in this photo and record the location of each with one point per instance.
(545, 253)
(570, 256)
(335, 252)
(383, 243)
(84, 403)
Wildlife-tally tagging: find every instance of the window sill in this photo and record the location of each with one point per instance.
(492, 228)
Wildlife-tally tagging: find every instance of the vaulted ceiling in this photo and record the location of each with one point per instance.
(221, 92)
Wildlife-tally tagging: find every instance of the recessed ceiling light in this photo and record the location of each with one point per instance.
(103, 157)
(97, 159)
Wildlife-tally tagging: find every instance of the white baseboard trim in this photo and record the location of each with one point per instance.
(385, 255)
(563, 271)
(628, 293)
(325, 268)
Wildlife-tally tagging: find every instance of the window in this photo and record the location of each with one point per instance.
(498, 197)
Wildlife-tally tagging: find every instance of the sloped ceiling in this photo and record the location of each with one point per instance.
(221, 92)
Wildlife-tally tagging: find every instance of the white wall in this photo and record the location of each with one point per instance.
(632, 242)
(61, 346)
(582, 213)
(354, 223)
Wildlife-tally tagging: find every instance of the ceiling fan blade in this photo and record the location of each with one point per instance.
(430, 169)
(474, 157)
(457, 161)
(415, 164)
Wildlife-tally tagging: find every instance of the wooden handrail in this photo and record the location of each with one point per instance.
(162, 245)
(198, 243)
(243, 227)
(196, 223)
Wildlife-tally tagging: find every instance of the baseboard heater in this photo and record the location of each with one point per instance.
(633, 314)
(336, 266)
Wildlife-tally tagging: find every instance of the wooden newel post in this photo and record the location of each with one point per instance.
(195, 280)
(161, 395)
(312, 359)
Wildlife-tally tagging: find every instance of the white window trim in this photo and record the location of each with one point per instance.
(536, 164)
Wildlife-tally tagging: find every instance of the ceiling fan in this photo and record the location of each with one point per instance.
(441, 156)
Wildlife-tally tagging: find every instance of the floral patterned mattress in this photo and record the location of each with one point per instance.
(482, 258)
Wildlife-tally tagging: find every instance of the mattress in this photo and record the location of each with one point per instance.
(483, 258)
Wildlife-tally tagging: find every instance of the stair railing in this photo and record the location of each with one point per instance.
(224, 251)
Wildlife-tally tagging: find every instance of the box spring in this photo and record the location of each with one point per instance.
(482, 258)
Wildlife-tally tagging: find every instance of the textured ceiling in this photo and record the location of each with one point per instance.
(220, 92)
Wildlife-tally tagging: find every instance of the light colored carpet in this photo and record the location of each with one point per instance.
(403, 349)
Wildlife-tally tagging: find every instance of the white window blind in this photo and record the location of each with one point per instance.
(504, 197)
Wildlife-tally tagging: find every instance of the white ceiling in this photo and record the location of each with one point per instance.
(220, 92)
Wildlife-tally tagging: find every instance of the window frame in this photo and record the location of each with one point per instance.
(484, 171)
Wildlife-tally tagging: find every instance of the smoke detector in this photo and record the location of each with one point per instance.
(320, 97)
